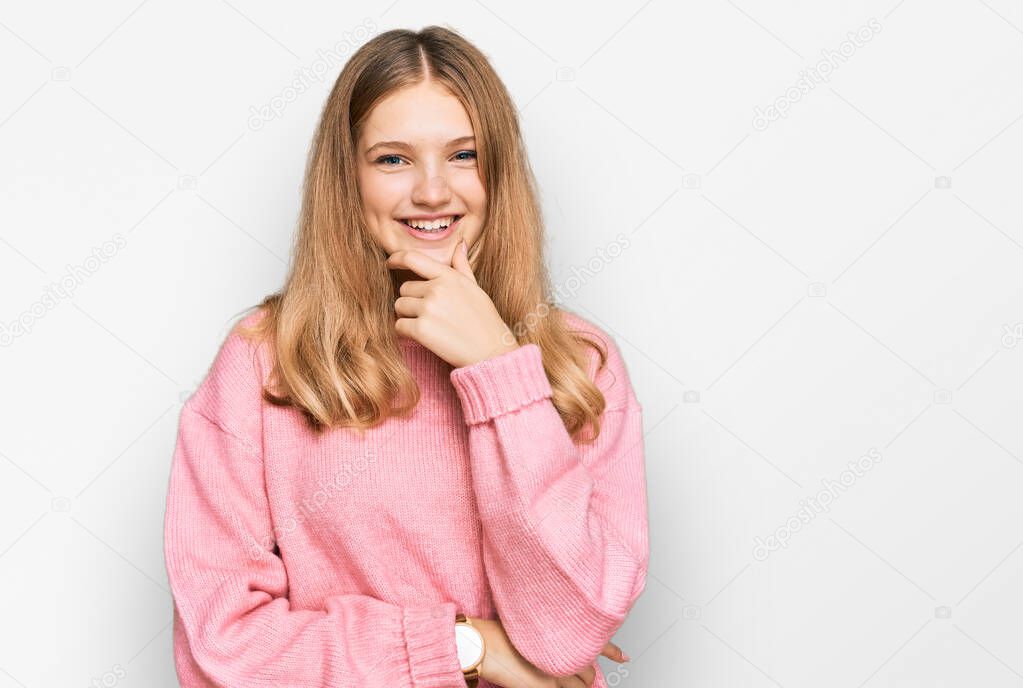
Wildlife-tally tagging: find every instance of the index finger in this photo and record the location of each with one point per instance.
(612, 651)
(419, 263)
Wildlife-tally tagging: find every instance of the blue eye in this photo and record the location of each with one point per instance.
(383, 158)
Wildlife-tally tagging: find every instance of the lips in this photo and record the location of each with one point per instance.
(432, 235)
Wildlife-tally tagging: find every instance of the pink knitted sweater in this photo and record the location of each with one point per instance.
(339, 560)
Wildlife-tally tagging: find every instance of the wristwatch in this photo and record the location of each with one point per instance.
(471, 649)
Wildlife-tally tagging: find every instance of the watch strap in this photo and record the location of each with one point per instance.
(472, 676)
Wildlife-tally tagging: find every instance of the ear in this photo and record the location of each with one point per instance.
(460, 261)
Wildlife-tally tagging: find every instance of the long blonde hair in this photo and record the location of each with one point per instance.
(336, 356)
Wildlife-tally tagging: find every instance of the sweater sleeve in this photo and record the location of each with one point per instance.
(230, 586)
(565, 524)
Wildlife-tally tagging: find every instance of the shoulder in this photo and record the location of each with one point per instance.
(611, 376)
(243, 350)
(230, 394)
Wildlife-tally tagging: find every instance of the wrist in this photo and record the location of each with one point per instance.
(498, 350)
(471, 648)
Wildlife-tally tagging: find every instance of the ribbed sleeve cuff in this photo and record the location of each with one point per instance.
(430, 638)
(501, 384)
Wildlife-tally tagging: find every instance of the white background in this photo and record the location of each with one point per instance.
(846, 278)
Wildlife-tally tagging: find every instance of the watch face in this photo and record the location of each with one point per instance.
(469, 643)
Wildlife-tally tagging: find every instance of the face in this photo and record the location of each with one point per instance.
(417, 166)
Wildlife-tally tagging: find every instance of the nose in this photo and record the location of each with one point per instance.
(431, 189)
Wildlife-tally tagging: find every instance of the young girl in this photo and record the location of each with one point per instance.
(408, 467)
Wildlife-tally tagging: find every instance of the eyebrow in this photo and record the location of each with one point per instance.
(408, 146)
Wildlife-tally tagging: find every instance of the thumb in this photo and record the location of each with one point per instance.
(460, 260)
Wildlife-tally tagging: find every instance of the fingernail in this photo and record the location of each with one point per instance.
(625, 657)
(465, 248)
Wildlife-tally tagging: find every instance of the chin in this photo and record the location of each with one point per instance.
(430, 247)
(441, 253)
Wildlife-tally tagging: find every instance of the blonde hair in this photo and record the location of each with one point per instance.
(336, 357)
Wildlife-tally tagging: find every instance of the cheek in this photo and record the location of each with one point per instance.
(469, 187)
(382, 195)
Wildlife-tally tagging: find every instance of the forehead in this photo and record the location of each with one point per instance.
(423, 114)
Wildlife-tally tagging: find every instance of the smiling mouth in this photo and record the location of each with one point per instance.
(438, 230)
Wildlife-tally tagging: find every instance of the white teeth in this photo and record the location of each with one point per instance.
(432, 225)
